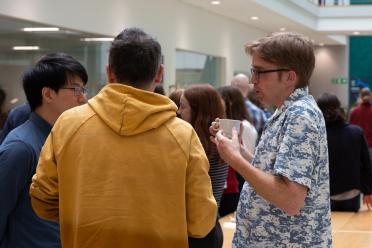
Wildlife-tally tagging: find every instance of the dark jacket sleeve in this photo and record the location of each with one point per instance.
(16, 159)
(366, 170)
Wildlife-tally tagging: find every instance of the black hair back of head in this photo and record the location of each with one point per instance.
(135, 57)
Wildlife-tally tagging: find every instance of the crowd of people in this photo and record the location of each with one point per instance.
(131, 167)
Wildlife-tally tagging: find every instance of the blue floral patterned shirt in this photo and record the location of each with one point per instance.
(293, 145)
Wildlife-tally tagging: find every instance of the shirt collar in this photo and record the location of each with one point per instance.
(42, 124)
(296, 95)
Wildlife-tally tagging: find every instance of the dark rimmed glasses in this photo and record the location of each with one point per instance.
(78, 91)
(257, 72)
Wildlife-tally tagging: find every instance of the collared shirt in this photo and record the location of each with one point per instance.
(293, 145)
(19, 225)
(258, 116)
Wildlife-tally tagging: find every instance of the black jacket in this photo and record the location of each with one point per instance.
(349, 162)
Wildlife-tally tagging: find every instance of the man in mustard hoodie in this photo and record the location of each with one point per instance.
(123, 170)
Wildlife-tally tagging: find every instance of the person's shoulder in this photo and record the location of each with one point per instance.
(178, 125)
(16, 145)
(75, 116)
(354, 128)
(305, 106)
(19, 133)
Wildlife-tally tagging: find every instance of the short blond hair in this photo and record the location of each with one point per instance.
(286, 49)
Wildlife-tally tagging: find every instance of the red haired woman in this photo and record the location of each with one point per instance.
(200, 105)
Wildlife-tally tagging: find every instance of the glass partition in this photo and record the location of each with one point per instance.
(21, 47)
(192, 67)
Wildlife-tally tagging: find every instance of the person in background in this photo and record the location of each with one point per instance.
(123, 170)
(241, 82)
(3, 114)
(361, 116)
(285, 200)
(159, 89)
(200, 104)
(175, 96)
(236, 110)
(350, 167)
(53, 85)
(16, 117)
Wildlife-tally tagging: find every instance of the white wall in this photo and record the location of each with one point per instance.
(331, 62)
(175, 24)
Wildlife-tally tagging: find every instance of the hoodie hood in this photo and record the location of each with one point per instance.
(130, 111)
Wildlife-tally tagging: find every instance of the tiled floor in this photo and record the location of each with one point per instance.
(349, 230)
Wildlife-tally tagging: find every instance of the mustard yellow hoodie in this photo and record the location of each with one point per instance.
(123, 171)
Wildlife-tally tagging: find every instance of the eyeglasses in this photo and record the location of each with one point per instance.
(256, 72)
(78, 91)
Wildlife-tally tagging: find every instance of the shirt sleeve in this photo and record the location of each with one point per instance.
(16, 160)
(201, 206)
(44, 187)
(298, 150)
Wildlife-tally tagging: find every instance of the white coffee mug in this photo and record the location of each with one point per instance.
(226, 125)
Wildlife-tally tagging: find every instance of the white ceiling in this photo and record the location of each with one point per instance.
(276, 14)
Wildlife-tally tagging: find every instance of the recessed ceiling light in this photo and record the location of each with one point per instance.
(215, 2)
(25, 48)
(321, 44)
(254, 18)
(14, 100)
(356, 33)
(282, 29)
(41, 29)
(97, 39)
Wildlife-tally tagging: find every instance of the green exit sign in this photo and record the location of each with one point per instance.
(340, 80)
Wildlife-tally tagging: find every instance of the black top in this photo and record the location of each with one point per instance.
(349, 162)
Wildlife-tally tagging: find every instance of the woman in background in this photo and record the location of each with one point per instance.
(175, 96)
(236, 110)
(200, 105)
(350, 167)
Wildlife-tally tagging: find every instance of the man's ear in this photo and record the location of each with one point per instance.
(110, 74)
(292, 78)
(47, 94)
(159, 74)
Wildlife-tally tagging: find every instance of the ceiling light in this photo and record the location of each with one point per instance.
(254, 18)
(25, 48)
(14, 100)
(356, 33)
(321, 44)
(215, 2)
(41, 29)
(282, 29)
(97, 39)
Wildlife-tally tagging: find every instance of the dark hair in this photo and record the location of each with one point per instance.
(135, 57)
(287, 49)
(331, 108)
(52, 71)
(206, 106)
(234, 103)
(159, 89)
(2, 97)
(175, 96)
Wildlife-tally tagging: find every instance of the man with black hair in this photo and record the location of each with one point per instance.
(130, 173)
(53, 85)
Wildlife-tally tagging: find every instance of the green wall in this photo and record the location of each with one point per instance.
(352, 2)
(360, 65)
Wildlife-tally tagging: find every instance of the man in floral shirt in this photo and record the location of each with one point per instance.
(285, 200)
